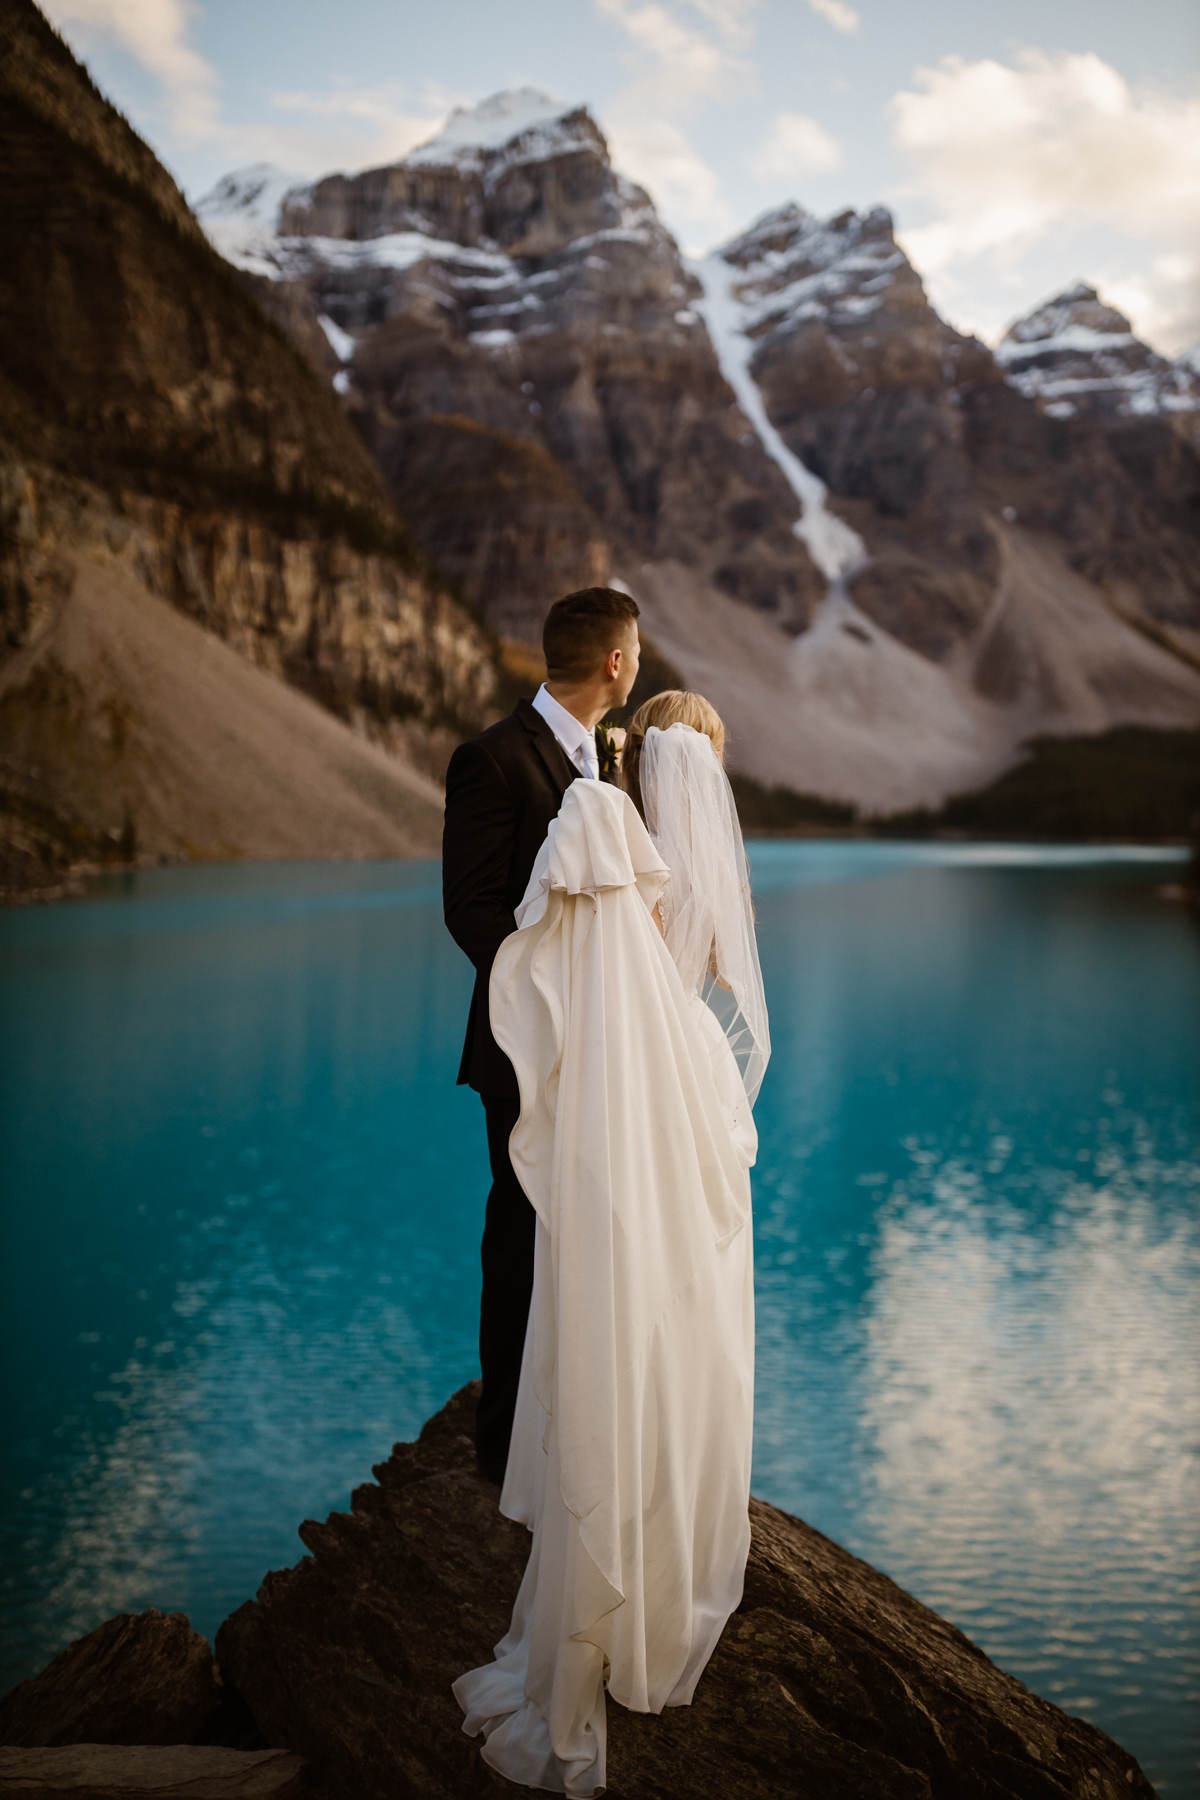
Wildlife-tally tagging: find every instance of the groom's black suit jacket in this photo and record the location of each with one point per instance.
(502, 790)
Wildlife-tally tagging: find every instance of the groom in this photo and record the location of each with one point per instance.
(502, 790)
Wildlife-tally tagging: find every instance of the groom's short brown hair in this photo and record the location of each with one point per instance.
(582, 628)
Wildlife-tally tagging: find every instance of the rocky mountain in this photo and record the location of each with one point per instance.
(886, 563)
(485, 373)
(165, 445)
(1076, 354)
(504, 297)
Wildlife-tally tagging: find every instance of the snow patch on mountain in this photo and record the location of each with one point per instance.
(240, 215)
(1074, 352)
(1016, 347)
(794, 266)
(472, 133)
(833, 546)
(340, 342)
(398, 250)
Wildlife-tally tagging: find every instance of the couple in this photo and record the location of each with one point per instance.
(617, 1037)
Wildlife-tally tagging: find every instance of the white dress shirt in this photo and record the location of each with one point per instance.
(577, 739)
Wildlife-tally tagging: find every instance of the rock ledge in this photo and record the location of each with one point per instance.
(830, 1681)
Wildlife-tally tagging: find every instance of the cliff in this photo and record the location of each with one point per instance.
(829, 1680)
(163, 441)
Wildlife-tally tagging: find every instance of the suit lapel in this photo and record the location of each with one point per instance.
(557, 763)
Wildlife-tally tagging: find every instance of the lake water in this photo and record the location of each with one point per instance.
(245, 1201)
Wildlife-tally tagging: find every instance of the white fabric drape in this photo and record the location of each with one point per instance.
(631, 1445)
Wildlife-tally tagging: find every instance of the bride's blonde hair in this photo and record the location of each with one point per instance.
(674, 706)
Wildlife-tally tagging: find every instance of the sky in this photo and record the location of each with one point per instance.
(1020, 147)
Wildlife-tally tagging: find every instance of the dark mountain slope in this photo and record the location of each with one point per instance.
(158, 427)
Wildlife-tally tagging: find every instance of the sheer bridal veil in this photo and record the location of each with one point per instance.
(708, 918)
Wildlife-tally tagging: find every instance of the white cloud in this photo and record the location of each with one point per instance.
(673, 65)
(1164, 308)
(359, 127)
(1007, 158)
(155, 33)
(689, 64)
(838, 14)
(339, 128)
(795, 145)
(686, 190)
(733, 17)
(1006, 153)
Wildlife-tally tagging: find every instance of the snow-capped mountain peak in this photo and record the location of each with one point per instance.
(793, 266)
(1076, 353)
(1075, 319)
(472, 134)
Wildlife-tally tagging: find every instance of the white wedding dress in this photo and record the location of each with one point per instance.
(631, 1445)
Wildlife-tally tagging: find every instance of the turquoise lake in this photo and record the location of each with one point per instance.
(245, 1197)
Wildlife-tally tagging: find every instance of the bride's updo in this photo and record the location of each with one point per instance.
(674, 706)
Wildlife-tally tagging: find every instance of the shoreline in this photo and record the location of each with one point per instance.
(72, 882)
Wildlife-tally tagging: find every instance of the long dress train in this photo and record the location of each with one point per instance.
(631, 1446)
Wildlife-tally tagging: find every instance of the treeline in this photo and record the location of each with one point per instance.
(1133, 782)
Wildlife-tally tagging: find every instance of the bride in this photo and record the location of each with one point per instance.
(630, 1002)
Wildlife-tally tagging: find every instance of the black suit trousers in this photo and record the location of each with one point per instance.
(506, 1256)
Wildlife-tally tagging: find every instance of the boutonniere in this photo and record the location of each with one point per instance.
(610, 741)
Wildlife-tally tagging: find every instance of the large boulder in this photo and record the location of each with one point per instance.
(140, 1678)
(829, 1680)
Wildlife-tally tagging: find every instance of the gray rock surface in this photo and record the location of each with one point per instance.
(830, 1681)
(87, 1771)
(1076, 354)
(140, 1678)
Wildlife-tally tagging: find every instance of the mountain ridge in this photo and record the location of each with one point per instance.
(369, 452)
(786, 424)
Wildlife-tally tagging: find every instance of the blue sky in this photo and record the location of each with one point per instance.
(1020, 147)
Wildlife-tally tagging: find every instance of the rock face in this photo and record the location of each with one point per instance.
(1077, 355)
(144, 1678)
(891, 407)
(157, 425)
(133, 734)
(1111, 461)
(507, 275)
(860, 377)
(828, 1680)
(151, 1772)
(785, 427)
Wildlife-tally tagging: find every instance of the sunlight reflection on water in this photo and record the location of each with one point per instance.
(1014, 1412)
